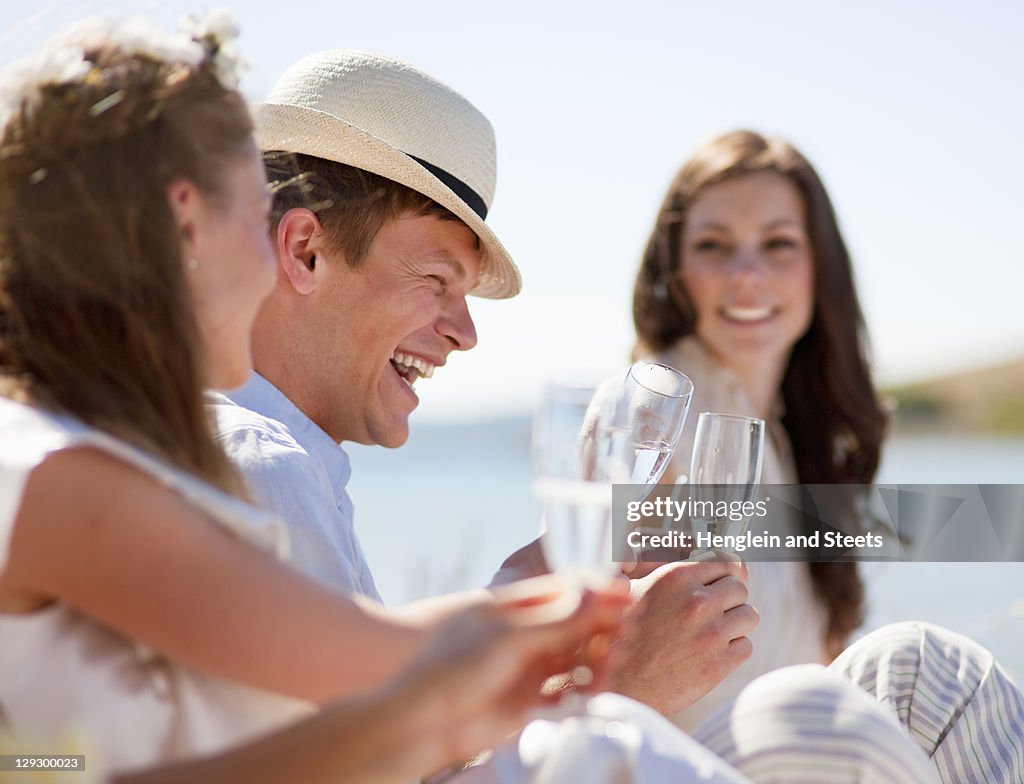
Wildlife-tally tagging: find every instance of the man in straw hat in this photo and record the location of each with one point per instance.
(383, 179)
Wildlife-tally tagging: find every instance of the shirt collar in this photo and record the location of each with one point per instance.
(264, 398)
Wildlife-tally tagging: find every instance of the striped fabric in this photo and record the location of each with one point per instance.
(955, 701)
(806, 725)
(909, 704)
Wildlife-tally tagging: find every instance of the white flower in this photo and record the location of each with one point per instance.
(66, 65)
(23, 81)
(218, 23)
(136, 35)
(229, 64)
(62, 60)
(220, 27)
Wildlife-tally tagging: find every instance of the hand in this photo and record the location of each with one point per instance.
(689, 632)
(526, 562)
(484, 668)
(645, 561)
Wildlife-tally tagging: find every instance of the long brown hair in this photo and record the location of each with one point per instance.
(95, 315)
(833, 416)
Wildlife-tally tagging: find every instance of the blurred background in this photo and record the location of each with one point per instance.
(911, 113)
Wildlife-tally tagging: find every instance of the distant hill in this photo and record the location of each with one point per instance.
(987, 400)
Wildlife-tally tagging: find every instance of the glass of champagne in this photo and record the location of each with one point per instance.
(646, 408)
(725, 473)
(653, 407)
(574, 462)
(627, 433)
(585, 440)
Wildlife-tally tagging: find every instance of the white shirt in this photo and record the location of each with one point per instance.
(295, 469)
(62, 672)
(793, 619)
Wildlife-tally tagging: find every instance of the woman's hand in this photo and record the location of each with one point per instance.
(483, 670)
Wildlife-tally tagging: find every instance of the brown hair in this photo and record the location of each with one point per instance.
(833, 417)
(352, 204)
(95, 315)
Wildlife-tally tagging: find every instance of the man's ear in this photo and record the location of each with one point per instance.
(296, 248)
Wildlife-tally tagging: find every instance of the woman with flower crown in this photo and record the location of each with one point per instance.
(143, 602)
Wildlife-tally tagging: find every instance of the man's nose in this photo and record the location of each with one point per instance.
(457, 325)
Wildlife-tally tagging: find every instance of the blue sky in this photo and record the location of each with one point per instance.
(911, 112)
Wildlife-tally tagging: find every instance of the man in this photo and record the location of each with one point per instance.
(383, 180)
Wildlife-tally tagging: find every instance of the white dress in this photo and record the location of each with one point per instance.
(63, 673)
(793, 620)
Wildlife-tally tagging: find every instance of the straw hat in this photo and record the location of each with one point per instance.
(382, 115)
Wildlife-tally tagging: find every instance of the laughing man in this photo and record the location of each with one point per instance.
(383, 179)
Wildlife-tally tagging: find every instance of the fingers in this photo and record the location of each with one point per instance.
(740, 621)
(529, 592)
(709, 571)
(729, 592)
(534, 634)
(739, 650)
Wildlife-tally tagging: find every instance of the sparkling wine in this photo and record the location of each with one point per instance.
(651, 461)
(578, 526)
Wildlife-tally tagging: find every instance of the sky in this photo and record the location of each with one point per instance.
(910, 111)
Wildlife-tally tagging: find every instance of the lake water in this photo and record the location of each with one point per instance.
(442, 512)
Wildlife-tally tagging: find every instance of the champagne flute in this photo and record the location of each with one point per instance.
(587, 439)
(647, 408)
(725, 473)
(573, 466)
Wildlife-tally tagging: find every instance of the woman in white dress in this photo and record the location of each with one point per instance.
(746, 286)
(144, 604)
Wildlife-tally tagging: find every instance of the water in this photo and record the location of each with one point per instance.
(442, 513)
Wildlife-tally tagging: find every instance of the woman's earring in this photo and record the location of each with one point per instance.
(192, 264)
(660, 291)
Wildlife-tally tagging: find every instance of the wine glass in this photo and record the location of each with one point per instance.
(652, 408)
(725, 474)
(586, 440)
(573, 466)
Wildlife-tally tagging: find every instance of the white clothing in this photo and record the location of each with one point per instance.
(911, 703)
(609, 740)
(807, 725)
(797, 725)
(61, 671)
(793, 621)
(955, 700)
(295, 469)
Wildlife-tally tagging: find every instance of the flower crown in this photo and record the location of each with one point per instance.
(63, 60)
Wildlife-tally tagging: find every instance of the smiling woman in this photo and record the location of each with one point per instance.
(746, 286)
(748, 270)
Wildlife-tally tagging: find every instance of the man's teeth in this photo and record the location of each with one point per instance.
(406, 365)
(748, 314)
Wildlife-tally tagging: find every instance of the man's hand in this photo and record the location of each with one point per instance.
(690, 622)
